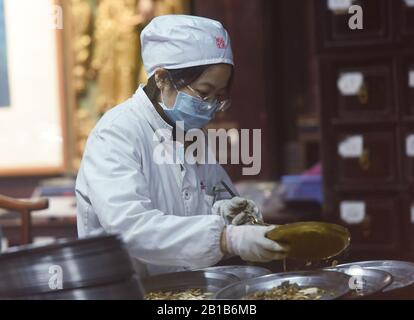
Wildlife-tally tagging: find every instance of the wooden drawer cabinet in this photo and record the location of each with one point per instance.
(406, 86)
(409, 86)
(407, 153)
(372, 221)
(360, 88)
(365, 89)
(406, 15)
(408, 220)
(365, 158)
(334, 27)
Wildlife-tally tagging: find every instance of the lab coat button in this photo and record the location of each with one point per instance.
(187, 195)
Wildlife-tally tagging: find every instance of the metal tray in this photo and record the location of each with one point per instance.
(207, 281)
(366, 281)
(87, 262)
(124, 290)
(401, 271)
(335, 283)
(241, 272)
(311, 241)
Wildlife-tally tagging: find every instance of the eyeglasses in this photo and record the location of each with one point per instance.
(214, 103)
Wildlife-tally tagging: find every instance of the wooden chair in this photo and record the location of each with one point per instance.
(25, 208)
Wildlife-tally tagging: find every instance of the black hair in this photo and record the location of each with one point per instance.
(179, 77)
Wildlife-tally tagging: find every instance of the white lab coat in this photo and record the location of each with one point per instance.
(162, 212)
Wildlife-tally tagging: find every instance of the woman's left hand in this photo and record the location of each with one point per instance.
(238, 211)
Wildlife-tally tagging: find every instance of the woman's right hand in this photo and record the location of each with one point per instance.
(250, 243)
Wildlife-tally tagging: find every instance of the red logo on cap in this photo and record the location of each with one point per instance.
(221, 44)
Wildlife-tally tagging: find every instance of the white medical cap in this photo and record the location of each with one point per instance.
(181, 41)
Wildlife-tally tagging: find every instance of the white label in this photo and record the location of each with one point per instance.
(349, 83)
(411, 78)
(412, 214)
(339, 5)
(4, 244)
(351, 147)
(409, 145)
(409, 3)
(352, 212)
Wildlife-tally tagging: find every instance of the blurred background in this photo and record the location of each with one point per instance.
(335, 106)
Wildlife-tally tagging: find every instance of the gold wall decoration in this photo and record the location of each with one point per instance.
(80, 46)
(171, 7)
(82, 12)
(115, 54)
(116, 58)
(107, 66)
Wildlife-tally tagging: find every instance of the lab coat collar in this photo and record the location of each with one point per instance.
(147, 109)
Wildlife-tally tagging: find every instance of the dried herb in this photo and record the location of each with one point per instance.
(288, 291)
(190, 294)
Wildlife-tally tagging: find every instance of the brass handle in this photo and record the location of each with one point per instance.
(365, 160)
(363, 94)
(366, 227)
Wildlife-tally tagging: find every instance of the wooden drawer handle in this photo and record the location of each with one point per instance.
(363, 94)
(365, 160)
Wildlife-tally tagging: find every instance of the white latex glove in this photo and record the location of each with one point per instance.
(237, 210)
(250, 243)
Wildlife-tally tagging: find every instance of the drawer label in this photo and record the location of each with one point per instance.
(409, 3)
(339, 5)
(351, 147)
(411, 78)
(412, 214)
(349, 83)
(352, 212)
(4, 245)
(409, 145)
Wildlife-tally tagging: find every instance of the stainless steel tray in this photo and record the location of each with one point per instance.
(124, 290)
(335, 283)
(401, 271)
(241, 272)
(365, 281)
(207, 281)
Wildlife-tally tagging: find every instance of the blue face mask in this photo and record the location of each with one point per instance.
(194, 112)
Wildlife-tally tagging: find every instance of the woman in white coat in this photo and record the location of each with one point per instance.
(165, 211)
